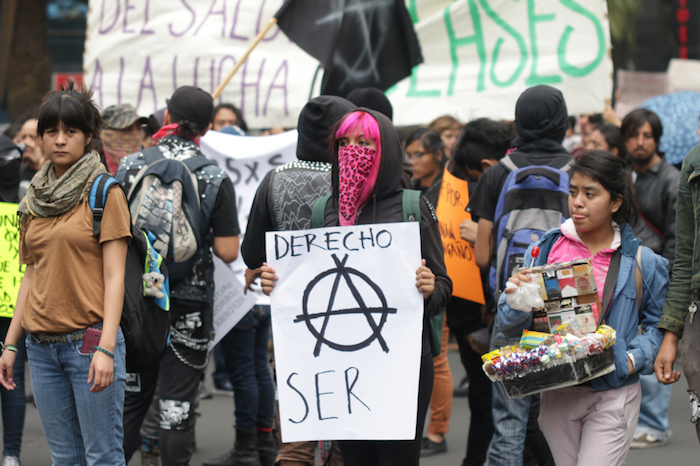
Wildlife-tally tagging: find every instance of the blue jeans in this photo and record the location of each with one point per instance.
(82, 428)
(509, 418)
(245, 351)
(517, 438)
(653, 414)
(14, 402)
(220, 376)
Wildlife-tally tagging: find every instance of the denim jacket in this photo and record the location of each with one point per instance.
(622, 315)
(686, 267)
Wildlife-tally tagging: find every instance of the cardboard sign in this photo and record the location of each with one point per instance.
(11, 272)
(347, 319)
(570, 295)
(460, 260)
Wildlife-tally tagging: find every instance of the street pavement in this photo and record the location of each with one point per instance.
(215, 432)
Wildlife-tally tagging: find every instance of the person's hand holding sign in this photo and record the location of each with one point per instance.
(425, 280)
(268, 279)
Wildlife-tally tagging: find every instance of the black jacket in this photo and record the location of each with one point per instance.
(657, 190)
(316, 122)
(385, 206)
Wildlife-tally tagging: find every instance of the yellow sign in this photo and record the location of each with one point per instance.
(11, 272)
(460, 260)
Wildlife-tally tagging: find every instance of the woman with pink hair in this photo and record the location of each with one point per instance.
(367, 165)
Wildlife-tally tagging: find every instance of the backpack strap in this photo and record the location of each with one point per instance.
(638, 278)
(98, 199)
(318, 211)
(610, 282)
(152, 154)
(410, 204)
(195, 163)
(508, 162)
(514, 160)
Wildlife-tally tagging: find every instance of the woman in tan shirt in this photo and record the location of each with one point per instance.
(71, 296)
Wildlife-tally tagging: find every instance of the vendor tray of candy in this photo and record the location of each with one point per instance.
(544, 361)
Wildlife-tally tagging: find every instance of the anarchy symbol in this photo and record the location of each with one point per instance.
(341, 271)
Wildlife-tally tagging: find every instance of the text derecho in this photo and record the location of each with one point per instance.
(347, 319)
(298, 245)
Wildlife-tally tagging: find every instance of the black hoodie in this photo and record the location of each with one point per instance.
(316, 122)
(541, 121)
(385, 206)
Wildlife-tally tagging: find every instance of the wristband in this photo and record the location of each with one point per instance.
(99, 348)
(12, 348)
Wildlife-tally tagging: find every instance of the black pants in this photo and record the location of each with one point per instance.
(481, 424)
(395, 452)
(179, 383)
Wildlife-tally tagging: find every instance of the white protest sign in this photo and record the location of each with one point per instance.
(479, 56)
(635, 87)
(247, 159)
(683, 75)
(230, 303)
(347, 320)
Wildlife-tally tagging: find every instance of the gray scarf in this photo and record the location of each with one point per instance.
(49, 196)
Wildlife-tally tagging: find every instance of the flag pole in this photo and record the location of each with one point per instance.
(243, 59)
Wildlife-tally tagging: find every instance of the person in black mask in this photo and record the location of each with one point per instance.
(10, 159)
(541, 122)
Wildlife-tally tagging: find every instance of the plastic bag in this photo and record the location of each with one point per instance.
(525, 298)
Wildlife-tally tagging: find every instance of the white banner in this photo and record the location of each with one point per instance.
(141, 51)
(231, 304)
(347, 320)
(480, 55)
(247, 159)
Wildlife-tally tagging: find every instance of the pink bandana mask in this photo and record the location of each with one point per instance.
(355, 164)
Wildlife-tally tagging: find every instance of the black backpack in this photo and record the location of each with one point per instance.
(145, 322)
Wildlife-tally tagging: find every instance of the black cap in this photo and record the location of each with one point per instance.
(191, 104)
(372, 98)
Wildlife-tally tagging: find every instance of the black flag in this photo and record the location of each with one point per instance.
(360, 43)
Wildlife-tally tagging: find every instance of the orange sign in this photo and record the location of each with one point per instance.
(459, 254)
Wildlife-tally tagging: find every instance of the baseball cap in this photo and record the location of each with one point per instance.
(191, 104)
(121, 116)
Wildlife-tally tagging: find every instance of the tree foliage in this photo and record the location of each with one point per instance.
(28, 68)
(622, 15)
